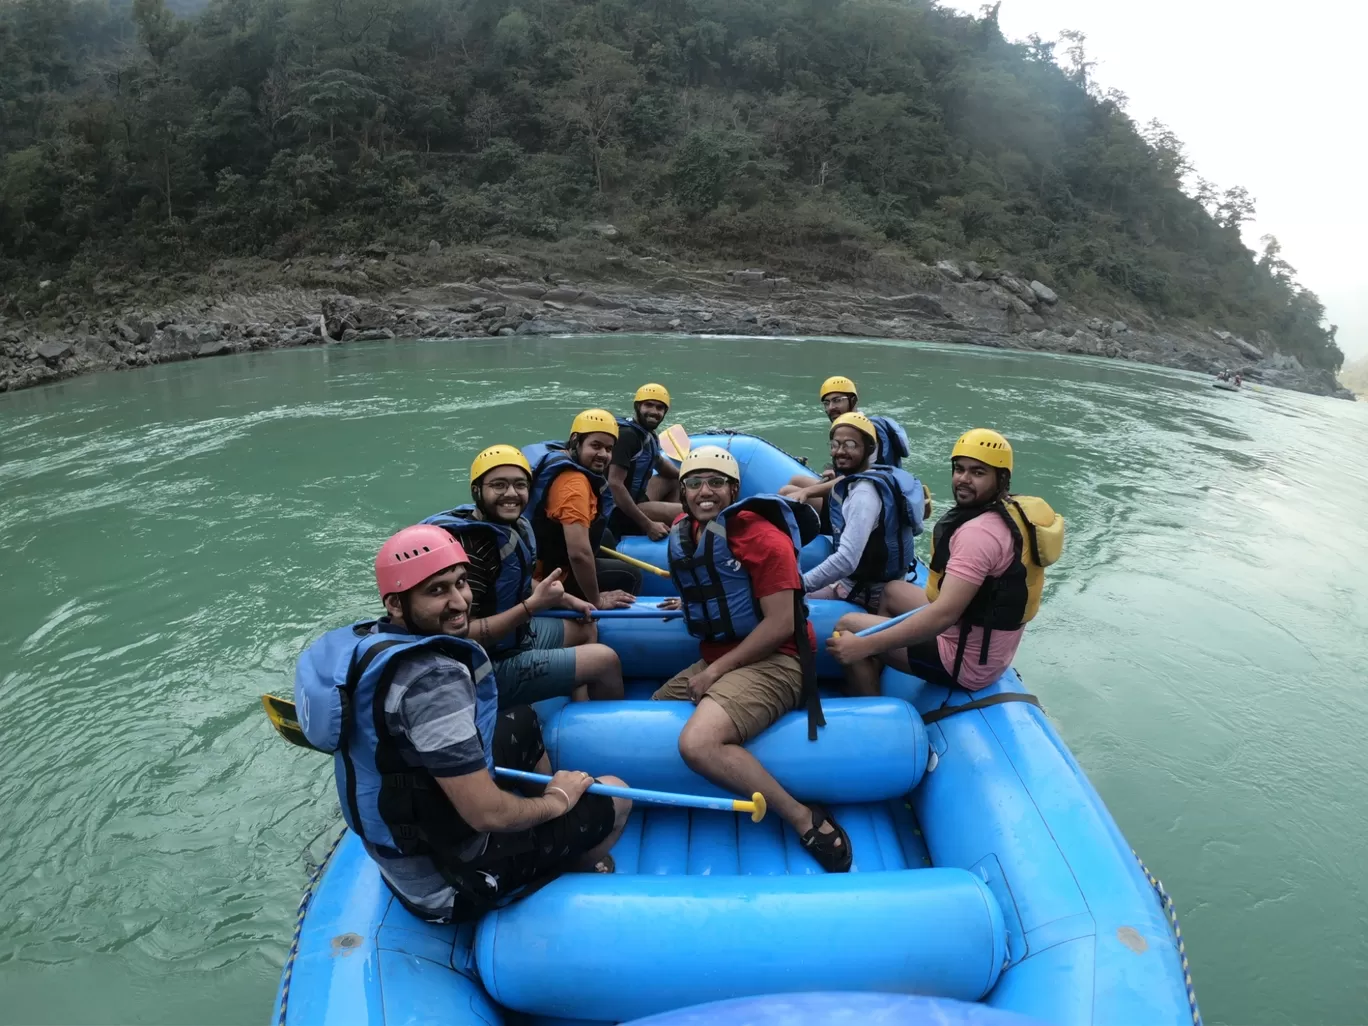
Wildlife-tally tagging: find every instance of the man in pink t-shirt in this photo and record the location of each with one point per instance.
(940, 644)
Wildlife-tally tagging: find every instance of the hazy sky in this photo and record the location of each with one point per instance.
(1271, 96)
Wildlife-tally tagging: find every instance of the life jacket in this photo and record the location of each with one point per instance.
(893, 446)
(644, 462)
(715, 590)
(888, 554)
(340, 685)
(548, 461)
(517, 550)
(1011, 600)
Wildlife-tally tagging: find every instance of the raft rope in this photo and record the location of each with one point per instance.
(288, 975)
(1167, 903)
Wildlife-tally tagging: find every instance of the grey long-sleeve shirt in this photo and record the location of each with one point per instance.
(861, 509)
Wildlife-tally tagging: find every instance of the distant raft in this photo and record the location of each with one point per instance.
(986, 870)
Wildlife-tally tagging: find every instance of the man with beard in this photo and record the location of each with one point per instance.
(533, 660)
(876, 514)
(643, 503)
(839, 397)
(987, 572)
(570, 502)
(407, 705)
(736, 567)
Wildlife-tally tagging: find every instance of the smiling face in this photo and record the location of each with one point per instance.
(440, 605)
(849, 449)
(650, 413)
(837, 403)
(595, 450)
(502, 494)
(707, 493)
(974, 482)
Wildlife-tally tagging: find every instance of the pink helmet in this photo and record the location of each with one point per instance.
(413, 555)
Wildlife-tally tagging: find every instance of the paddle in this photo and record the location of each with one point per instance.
(882, 626)
(631, 561)
(675, 443)
(756, 806)
(281, 712)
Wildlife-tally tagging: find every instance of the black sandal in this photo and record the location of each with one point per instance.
(832, 851)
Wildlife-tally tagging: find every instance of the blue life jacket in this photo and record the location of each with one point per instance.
(644, 462)
(715, 590)
(548, 461)
(517, 550)
(893, 446)
(340, 686)
(888, 554)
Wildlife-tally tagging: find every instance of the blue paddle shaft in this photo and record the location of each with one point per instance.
(636, 794)
(887, 624)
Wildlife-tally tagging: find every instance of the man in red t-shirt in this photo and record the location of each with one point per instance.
(743, 598)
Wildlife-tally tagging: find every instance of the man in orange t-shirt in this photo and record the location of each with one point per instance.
(568, 519)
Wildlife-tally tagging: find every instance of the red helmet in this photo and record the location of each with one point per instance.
(413, 555)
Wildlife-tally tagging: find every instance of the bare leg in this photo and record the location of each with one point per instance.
(862, 678)
(902, 597)
(663, 489)
(598, 674)
(661, 512)
(622, 807)
(712, 748)
(577, 633)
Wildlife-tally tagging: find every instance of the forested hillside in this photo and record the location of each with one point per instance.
(795, 133)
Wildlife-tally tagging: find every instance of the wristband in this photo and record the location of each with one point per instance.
(562, 793)
(526, 609)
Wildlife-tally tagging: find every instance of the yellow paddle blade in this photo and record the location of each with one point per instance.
(675, 442)
(281, 713)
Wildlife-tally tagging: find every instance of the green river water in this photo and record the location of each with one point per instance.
(171, 538)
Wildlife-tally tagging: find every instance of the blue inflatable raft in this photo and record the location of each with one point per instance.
(986, 870)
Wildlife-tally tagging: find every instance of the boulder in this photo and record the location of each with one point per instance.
(1033, 322)
(207, 334)
(675, 323)
(218, 348)
(1118, 328)
(1044, 293)
(1097, 326)
(505, 331)
(1019, 307)
(950, 269)
(373, 335)
(434, 247)
(747, 277)
(561, 295)
(973, 271)
(1253, 352)
(53, 352)
(147, 330)
(850, 326)
(603, 231)
(1019, 289)
(125, 331)
(524, 290)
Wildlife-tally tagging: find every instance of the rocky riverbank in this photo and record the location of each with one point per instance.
(379, 296)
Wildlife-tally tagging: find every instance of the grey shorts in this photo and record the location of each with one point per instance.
(544, 669)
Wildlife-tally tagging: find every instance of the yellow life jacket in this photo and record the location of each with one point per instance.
(1012, 599)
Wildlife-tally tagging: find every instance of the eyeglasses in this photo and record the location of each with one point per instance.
(693, 484)
(849, 445)
(501, 487)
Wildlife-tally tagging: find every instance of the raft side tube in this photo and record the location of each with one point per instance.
(871, 749)
(596, 947)
(658, 649)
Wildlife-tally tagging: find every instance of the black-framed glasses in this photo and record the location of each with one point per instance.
(693, 484)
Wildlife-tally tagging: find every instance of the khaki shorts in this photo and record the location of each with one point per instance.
(753, 696)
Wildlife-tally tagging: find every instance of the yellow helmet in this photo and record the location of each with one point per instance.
(711, 457)
(856, 420)
(652, 393)
(838, 383)
(986, 446)
(594, 420)
(498, 456)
